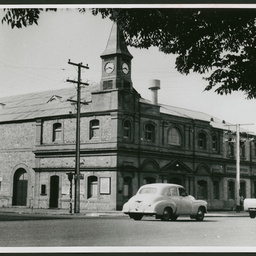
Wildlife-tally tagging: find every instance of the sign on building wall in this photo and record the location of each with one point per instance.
(104, 186)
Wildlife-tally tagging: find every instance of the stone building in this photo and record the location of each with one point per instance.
(126, 141)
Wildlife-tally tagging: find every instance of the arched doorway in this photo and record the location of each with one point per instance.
(54, 191)
(20, 187)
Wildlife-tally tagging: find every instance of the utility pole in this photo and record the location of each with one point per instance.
(77, 163)
(237, 194)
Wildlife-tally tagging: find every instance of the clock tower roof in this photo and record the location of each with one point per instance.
(116, 43)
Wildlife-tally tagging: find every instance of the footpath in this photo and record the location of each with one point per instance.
(96, 213)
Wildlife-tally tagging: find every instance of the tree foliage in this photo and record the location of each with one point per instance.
(22, 17)
(219, 42)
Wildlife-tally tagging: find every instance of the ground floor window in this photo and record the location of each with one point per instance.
(216, 190)
(202, 189)
(243, 189)
(231, 189)
(127, 187)
(149, 180)
(92, 187)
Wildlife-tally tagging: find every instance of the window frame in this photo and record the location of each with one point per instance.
(215, 143)
(94, 127)
(169, 141)
(202, 140)
(57, 132)
(150, 135)
(127, 130)
(92, 180)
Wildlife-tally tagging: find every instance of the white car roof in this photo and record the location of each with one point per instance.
(161, 185)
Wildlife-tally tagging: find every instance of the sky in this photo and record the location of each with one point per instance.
(36, 58)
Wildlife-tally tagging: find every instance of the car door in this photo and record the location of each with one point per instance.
(173, 197)
(185, 202)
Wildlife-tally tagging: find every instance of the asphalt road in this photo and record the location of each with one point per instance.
(29, 231)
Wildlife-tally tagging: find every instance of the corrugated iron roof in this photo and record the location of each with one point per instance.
(55, 103)
(36, 105)
(192, 114)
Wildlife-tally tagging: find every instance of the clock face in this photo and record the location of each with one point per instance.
(109, 67)
(125, 68)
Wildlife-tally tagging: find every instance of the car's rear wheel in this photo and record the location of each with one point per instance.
(200, 214)
(252, 215)
(167, 213)
(136, 216)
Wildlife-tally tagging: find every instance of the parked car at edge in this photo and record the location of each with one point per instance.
(250, 206)
(165, 201)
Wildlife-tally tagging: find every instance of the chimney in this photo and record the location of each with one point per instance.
(154, 86)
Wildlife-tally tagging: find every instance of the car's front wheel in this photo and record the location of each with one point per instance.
(200, 214)
(136, 216)
(167, 213)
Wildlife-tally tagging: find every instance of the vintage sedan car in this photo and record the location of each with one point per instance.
(165, 201)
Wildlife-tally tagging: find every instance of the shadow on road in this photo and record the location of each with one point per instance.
(24, 217)
(188, 220)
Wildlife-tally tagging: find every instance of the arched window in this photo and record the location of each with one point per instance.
(127, 129)
(127, 189)
(174, 137)
(57, 131)
(216, 190)
(231, 189)
(202, 189)
(92, 187)
(94, 129)
(202, 140)
(214, 143)
(149, 132)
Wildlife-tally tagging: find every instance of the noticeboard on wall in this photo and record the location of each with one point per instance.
(105, 186)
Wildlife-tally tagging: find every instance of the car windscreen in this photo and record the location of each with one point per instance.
(148, 190)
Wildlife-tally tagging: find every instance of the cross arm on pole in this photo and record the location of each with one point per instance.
(76, 82)
(78, 64)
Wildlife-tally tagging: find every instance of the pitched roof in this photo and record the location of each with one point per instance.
(55, 103)
(41, 104)
(192, 114)
(116, 43)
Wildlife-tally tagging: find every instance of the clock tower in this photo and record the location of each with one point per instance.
(116, 63)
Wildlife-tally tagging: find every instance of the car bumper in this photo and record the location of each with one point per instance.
(149, 213)
(143, 209)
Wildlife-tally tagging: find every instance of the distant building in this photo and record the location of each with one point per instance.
(126, 141)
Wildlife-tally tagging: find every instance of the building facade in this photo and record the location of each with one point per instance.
(125, 142)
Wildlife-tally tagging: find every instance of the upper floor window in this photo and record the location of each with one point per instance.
(202, 140)
(214, 143)
(242, 148)
(57, 131)
(150, 132)
(254, 148)
(94, 129)
(174, 137)
(231, 149)
(127, 129)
